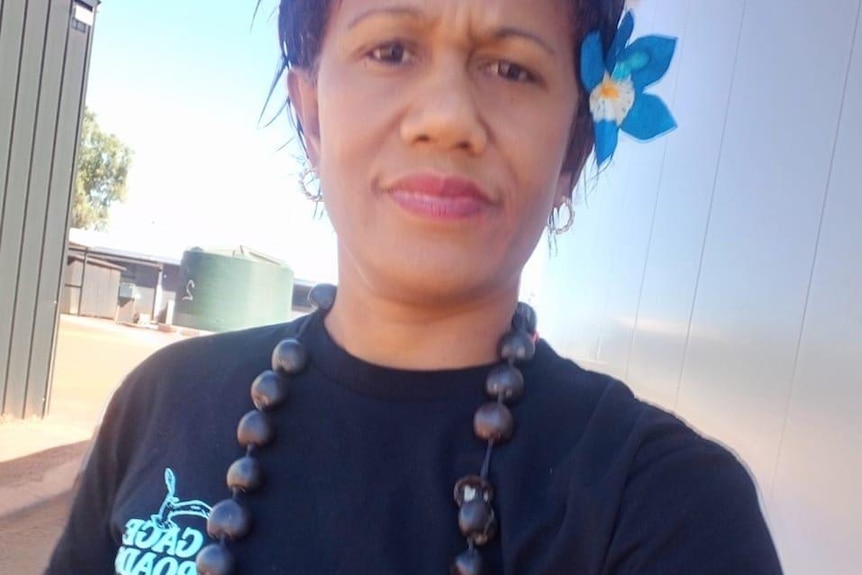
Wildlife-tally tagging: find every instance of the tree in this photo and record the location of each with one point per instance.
(103, 168)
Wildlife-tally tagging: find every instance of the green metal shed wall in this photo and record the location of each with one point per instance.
(44, 55)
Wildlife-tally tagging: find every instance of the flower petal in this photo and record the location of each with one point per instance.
(649, 58)
(618, 46)
(607, 135)
(648, 118)
(592, 61)
(631, 61)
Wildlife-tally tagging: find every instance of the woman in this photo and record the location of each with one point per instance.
(443, 133)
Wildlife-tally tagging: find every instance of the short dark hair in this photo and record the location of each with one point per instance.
(302, 24)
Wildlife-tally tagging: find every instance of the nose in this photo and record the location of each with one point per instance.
(444, 111)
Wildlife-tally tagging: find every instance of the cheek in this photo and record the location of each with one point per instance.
(339, 116)
(534, 134)
(337, 130)
(341, 152)
(356, 132)
(536, 151)
(537, 157)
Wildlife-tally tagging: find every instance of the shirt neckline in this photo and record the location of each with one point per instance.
(387, 383)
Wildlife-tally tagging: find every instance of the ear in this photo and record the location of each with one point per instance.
(302, 90)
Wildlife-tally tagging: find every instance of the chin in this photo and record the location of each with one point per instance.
(427, 279)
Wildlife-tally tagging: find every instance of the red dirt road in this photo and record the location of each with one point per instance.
(27, 537)
(92, 357)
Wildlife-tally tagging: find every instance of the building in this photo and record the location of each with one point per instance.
(110, 278)
(145, 283)
(44, 61)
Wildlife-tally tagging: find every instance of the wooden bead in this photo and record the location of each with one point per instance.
(214, 559)
(525, 318)
(245, 474)
(505, 382)
(494, 422)
(228, 518)
(477, 521)
(322, 296)
(468, 563)
(470, 487)
(254, 429)
(289, 356)
(517, 346)
(268, 390)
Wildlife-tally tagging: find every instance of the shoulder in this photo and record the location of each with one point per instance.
(600, 403)
(213, 356)
(212, 353)
(596, 422)
(166, 393)
(687, 504)
(580, 402)
(199, 367)
(678, 499)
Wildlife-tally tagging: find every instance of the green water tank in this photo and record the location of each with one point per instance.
(222, 292)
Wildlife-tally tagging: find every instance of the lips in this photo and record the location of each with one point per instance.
(442, 198)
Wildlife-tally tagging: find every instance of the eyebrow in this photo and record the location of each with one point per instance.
(502, 33)
(510, 32)
(399, 11)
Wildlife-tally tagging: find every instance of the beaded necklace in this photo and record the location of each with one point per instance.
(493, 422)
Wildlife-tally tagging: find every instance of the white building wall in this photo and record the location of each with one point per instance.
(718, 271)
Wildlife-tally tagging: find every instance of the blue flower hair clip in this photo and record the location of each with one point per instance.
(616, 84)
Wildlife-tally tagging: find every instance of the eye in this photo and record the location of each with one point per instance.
(511, 71)
(392, 53)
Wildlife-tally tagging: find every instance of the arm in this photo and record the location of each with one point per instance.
(689, 508)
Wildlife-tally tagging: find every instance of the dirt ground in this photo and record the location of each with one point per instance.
(27, 537)
(92, 357)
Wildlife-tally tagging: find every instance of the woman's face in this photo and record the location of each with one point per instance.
(438, 129)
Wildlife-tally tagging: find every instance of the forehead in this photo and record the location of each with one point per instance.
(549, 18)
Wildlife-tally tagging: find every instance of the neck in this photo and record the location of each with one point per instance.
(403, 335)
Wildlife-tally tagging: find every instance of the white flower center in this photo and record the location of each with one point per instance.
(612, 99)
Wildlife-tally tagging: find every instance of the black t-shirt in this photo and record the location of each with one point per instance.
(360, 476)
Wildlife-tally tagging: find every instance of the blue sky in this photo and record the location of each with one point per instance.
(183, 83)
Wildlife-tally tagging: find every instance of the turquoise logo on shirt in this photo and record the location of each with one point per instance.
(160, 545)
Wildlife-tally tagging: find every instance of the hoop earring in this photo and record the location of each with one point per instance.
(306, 178)
(556, 229)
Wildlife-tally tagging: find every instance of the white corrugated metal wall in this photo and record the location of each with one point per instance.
(719, 270)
